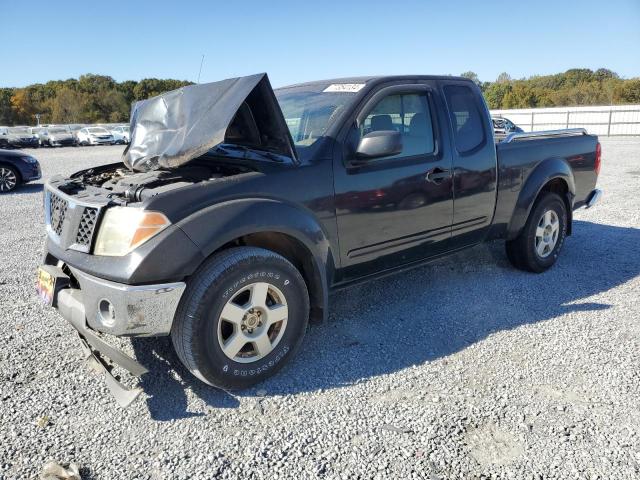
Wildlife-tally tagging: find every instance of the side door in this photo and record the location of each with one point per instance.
(397, 209)
(474, 163)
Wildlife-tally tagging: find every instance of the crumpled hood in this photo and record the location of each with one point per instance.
(178, 126)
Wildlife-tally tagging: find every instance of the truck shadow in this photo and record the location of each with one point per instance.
(167, 381)
(420, 316)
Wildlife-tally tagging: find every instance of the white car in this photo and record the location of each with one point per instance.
(95, 136)
(121, 134)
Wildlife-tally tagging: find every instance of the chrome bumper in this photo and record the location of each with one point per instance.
(128, 310)
(594, 197)
(70, 306)
(122, 310)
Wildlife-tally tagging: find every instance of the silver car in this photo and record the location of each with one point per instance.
(95, 136)
(53, 136)
(120, 133)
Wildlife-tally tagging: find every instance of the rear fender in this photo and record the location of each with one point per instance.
(541, 175)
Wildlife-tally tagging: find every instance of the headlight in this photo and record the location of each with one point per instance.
(30, 160)
(124, 228)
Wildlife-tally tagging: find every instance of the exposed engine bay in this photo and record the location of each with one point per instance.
(116, 182)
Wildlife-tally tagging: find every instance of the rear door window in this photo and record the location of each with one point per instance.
(466, 117)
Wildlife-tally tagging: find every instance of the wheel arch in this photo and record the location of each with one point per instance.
(551, 175)
(280, 227)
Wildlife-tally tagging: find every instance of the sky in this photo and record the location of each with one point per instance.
(295, 41)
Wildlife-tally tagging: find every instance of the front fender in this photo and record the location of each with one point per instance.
(543, 173)
(213, 227)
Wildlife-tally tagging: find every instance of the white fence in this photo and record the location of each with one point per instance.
(618, 120)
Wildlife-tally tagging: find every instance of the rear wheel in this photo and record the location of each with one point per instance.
(9, 179)
(242, 317)
(537, 247)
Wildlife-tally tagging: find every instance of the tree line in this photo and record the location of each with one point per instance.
(575, 87)
(100, 99)
(88, 99)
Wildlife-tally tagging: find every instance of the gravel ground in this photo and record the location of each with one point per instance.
(465, 368)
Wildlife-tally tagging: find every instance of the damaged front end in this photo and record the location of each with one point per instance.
(170, 130)
(183, 139)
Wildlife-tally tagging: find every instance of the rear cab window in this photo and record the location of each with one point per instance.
(466, 118)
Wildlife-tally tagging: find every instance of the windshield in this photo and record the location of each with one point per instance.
(98, 130)
(309, 113)
(58, 130)
(19, 131)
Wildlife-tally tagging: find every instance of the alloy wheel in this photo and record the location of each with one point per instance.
(547, 233)
(252, 322)
(8, 179)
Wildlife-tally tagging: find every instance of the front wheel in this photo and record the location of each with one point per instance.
(243, 316)
(537, 247)
(9, 179)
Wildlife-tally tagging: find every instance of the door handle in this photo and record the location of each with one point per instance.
(437, 175)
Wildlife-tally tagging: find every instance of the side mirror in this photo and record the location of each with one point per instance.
(383, 143)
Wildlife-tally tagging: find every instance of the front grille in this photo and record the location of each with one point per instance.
(58, 211)
(86, 226)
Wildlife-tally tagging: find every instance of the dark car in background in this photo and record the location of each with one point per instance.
(17, 168)
(17, 137)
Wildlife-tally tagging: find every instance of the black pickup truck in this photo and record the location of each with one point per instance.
(236, 210)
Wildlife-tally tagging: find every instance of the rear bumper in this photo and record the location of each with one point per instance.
(593, 198)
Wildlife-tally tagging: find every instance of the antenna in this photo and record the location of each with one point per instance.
(200, 71)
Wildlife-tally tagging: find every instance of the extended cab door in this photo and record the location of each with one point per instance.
(474, 163)
(396, 209)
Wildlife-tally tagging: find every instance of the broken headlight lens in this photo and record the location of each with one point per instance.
(124, 228)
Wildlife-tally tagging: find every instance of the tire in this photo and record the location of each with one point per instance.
(226, 282)
(9, 179)
(538, 245)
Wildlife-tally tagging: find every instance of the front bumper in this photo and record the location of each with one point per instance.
(24, 143)
(63, 142)
(100, 141)
(94, 348)
(128, 310)
(30, 172)
(94, 306)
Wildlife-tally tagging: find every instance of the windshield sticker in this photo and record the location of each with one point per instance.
(344, 87)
